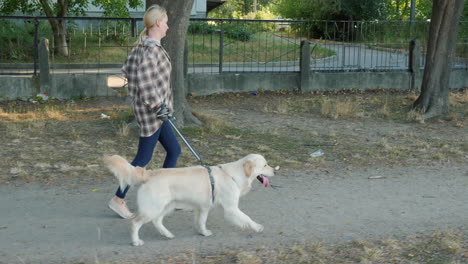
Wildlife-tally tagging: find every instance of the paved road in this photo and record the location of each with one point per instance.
(61, 224)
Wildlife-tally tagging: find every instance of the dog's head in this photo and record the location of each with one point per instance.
(256, 166)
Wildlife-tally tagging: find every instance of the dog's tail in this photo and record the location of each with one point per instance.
(125, 172)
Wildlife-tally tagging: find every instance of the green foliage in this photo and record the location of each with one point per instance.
(401, 10)
(16, 39)
(117, 8)
(235, 9)
(304, 10)
(237, 31)
(121, 34)
(114, 8)
(464, 15)
(120, 39)
(10, 44)
(238, 8)
(201, 27)
(265, 13)
(8, 7)
(330, 9)
(74, 7)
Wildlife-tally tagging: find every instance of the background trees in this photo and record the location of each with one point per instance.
(355, 9)
(245, 9)
(64, 8)
(331, 9)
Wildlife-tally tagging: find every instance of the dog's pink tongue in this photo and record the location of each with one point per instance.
(266, 182)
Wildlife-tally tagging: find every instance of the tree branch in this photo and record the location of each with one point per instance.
(62, 8)
(47, 8)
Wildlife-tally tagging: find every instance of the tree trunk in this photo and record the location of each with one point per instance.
(433, 100)
(58, 26)
(60, 37)
(178, 12)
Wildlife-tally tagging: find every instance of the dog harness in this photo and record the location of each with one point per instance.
(211, 182)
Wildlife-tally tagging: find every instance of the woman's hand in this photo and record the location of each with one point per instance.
(162, 112)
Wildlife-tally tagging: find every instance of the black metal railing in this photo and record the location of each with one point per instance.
(97, 44)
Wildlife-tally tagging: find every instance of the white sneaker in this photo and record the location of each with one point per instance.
(120, 207)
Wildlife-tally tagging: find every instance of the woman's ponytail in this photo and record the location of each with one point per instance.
(142, 37)
(152, 14)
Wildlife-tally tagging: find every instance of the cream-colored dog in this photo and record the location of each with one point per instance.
(162, 190)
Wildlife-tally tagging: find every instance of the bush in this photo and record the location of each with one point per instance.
(16, 41)
(234, 30)
(237, 32)
(201, 27)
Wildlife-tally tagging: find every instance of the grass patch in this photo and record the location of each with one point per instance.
(388, 147)
(203, 48)
(341, 108)
(263, 47)
(387, 140)
(233, 143)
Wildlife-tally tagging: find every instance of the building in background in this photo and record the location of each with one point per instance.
(200, 9)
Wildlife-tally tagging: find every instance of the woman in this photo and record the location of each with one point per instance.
(148, 71)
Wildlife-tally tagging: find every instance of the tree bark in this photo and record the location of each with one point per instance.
(433, 100)
(58, 26)
(60, 37)
(178, 12)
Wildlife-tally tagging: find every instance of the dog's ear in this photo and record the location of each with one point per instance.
(248, 168)
(140, 174)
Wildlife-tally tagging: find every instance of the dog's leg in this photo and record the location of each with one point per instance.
(200, 221)
(158, 223)
(136, 225)
(239, 218)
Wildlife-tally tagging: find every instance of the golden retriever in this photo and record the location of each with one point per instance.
(162, 190)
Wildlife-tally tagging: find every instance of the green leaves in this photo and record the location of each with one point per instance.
(8, 7)
(114, 8)
(117, 8)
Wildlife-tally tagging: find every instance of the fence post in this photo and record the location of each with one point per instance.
(304, 65)
(414, 62)
(44, 70)
(133, 27)
(36, 28)
(221, 47)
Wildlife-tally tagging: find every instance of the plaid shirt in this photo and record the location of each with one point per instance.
(148, 71)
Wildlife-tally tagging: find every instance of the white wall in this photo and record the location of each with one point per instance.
(199, 8)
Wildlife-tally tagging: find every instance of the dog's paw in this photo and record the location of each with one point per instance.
(169, 235)
(206, 232)
(138, 242)
(258, 228)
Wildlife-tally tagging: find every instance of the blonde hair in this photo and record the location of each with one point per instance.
(153, 13)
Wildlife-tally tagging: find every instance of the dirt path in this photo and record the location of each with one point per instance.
(71, 223)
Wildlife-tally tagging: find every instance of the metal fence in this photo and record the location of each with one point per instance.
(273, 45)
(221, 45)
